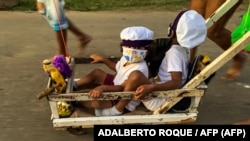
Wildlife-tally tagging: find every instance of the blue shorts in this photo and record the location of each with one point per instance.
(55, 15)
(59, 26)
(59, 21)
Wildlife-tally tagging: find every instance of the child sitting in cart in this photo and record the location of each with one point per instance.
(187, 31)
(137, 44)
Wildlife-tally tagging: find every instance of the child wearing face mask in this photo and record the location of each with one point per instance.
(137, 44)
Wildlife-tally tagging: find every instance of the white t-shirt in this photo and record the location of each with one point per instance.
(176, 60)
(124, 71)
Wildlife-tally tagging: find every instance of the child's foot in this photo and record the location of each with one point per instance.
(231, 74)
(244, 122)
(236, 67)
(107, 112)
(84, 41)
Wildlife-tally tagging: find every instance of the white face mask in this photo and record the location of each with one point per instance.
(133, 55)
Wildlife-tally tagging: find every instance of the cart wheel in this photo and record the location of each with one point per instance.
(76, 131)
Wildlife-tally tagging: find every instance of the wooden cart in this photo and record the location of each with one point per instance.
(194, 88)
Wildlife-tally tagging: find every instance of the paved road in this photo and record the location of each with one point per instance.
(26, 39)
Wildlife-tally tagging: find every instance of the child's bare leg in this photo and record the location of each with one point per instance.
(236, 66)
(134, 80)
(95, 77)
(219, 34)
(61, 38)
(222, 37)
(96, 104)
(83, 38)
(244, 122)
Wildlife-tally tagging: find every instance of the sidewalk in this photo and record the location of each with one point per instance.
(26, 39)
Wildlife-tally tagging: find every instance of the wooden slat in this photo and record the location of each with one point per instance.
(70, 81)
(220, 12)
(135, 119)
(125, 95)
(219, 61)
(53, 108)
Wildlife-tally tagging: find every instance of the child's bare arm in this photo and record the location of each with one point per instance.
(99, 58)
(96, 92)
(40, 7)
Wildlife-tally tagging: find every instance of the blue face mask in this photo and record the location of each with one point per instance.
(133, 55)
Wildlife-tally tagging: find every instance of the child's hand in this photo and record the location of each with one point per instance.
(142, 92)
(97, 58)
(96, 92)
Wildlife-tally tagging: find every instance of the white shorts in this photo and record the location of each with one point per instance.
(154, 103)
(131, 106)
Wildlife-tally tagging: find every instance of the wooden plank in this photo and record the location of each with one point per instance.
(70, 81)
(132, 119)
(220, 12)
(125, 95)
(219, 61)
(54, 111)
(195, 103)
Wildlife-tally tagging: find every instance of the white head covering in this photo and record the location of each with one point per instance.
(136, 36)
(191, 29)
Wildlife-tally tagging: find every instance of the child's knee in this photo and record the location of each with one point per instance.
(100, 104)
(136, 75)
(97, 72)
(96, 104)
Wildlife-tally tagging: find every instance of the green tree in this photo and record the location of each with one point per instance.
(8, 3)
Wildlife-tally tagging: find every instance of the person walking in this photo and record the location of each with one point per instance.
(53, 12)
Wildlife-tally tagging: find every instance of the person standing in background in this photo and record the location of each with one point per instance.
(53, 11)
(219, 34)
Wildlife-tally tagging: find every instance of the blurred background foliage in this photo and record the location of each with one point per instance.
(102, 5)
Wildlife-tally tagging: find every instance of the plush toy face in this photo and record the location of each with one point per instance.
(61, 64)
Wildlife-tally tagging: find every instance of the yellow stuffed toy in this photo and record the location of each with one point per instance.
(64, 108)
(56, 76)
